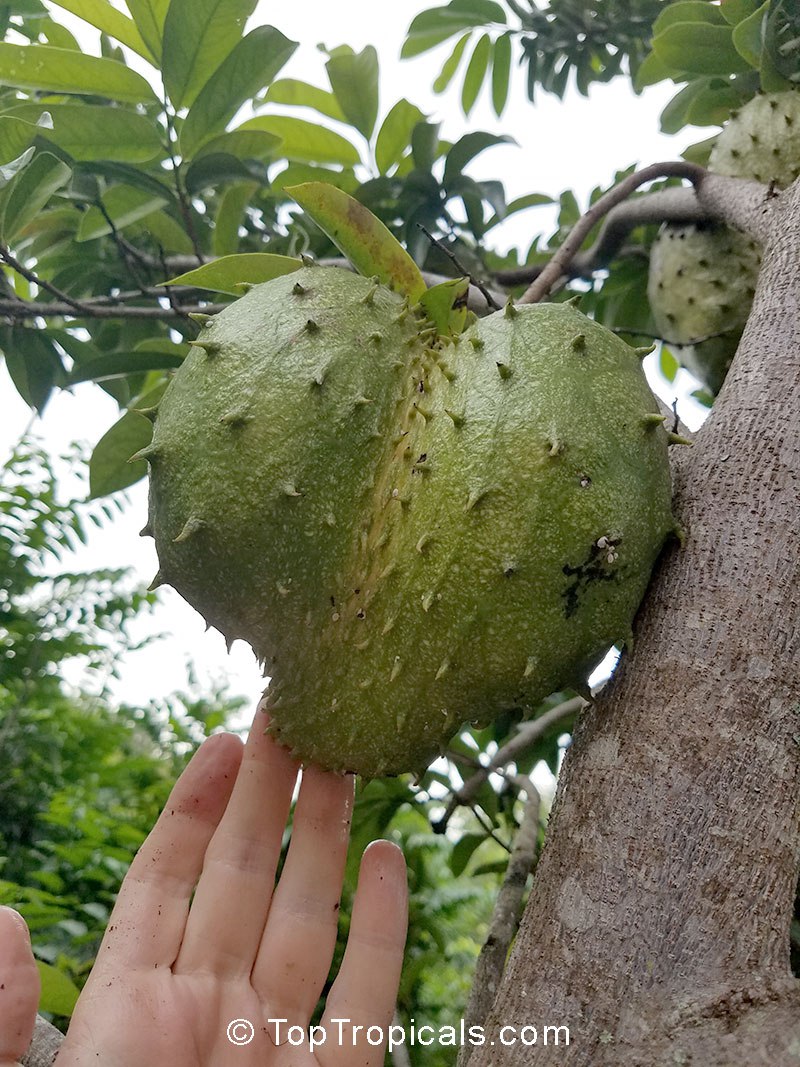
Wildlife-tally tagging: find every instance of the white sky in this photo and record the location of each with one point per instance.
(576, 144)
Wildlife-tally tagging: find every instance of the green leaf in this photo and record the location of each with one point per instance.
(476, 73)
(305, 142)
(104, 17)
(667, 364)
(687, 11)
(456, 16)
(299, 173)
(439, 303)
(121, 364)
(166, 232)
(198, 36)
(733, 11)
(463, 850)
(714, 104)
(394, 135)
(109, 467)
(501, 73)
(33, 363)
(244, 144)
(425, 144)
(699, 49)
(301, 94)
(59, 994)
(363, 238)
(58, 36)
(521, 203)
(210, 171)
(15, 136)
(252, 64)
(676, 114)
(127, 175)
(95, 133)
(450, 66)
(700, 151)
(748, 36)
(229, 217)
(149, 16)
(651, 71)
(229, 273)
(23, 199)
(424, 42)
(467, 148)
(124, 205)
(354, 80)
(60, 70)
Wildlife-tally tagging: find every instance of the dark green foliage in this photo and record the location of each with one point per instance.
(565, 42)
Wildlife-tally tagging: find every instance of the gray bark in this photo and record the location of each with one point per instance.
(657, 929)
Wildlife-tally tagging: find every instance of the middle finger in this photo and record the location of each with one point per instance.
(233, 895)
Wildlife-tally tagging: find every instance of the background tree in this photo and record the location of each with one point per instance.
(659, 927)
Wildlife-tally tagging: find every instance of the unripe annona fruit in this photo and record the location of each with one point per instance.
(702, 279)
(700, 286)
(410, 533)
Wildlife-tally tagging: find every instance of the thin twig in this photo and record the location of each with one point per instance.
(559, 264)
(30, 276)
(16, 310)
(527, 734)
(183, 200)
(127, 252)
(505, 918)
(490, 300)
(678, 206)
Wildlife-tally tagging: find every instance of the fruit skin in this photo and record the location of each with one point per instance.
(496, 509)
(702, 279)
(761, 141)
(700, 286)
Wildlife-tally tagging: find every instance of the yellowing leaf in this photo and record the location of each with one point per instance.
(362, 237)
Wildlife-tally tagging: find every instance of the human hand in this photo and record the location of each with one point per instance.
(19, 987)
(199, 937)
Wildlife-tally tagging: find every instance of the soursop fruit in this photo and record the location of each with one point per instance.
(702, 279)
(701, 285)
(410, 532)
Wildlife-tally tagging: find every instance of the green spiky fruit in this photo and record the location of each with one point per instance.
(702, 279)
(700, 286)
(761, 141)
(410, 533)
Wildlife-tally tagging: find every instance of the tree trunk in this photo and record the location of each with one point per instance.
(658, 926)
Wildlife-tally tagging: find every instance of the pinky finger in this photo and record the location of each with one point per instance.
(19, 988)
(361, 1003)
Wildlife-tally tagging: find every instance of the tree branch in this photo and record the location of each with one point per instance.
(45, 1045)
(558, 266)
(19, 310)
(30, 276)
(505, 919)
(679, 206)
(527, 735)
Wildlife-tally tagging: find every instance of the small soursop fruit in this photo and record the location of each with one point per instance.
(761, 141)
(410, 533)
(702, 279)
(701, 285)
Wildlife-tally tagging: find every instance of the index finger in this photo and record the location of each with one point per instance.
(148, 921)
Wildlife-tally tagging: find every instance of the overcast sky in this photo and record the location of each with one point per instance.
(577, 144)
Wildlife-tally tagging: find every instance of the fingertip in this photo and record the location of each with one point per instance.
(19, 985)
(11, 915)
(384, 864)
